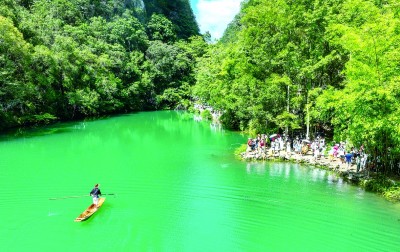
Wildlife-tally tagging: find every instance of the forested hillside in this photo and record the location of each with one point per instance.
(289, 66)
(69, 59)
(178, 12)
(311, 66)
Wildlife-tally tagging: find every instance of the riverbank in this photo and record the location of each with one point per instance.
(337, 165)
(389, 188)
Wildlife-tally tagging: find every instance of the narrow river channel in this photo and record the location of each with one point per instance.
(176, 186)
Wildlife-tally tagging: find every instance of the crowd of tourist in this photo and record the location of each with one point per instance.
(349, 155)
(277, 144)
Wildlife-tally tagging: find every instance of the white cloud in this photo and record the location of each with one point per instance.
(215, 15)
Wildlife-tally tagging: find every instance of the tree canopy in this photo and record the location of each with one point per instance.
(281, 66)
(310, 66)
(63, 60)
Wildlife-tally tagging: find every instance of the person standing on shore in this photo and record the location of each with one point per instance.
(95, 193)
(288, 149)
(348, 157)
(363, 161)
(358, 162)
(262, 144)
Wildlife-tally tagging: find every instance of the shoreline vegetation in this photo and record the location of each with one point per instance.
(86, 60)
(303, 68)
(281, 66)
(387, 186)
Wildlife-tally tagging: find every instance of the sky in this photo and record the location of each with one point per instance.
(215, 15)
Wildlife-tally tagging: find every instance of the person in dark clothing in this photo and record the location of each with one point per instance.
(251, 144)
(95, 193)
(348, 157)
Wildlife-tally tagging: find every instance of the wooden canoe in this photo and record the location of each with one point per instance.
(90, 211)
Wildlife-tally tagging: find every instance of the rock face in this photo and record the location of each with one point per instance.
(139, 4)
(178, 12)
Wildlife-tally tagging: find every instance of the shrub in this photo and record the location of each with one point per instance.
(206, 114)
(239, 150)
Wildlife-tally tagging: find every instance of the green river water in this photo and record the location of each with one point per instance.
(178, 187)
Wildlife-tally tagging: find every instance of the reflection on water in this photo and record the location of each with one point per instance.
(295, 171)
(178, 187)
(216, 126)
(256, 168)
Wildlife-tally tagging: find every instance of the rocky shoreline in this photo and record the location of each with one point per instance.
(336, 164)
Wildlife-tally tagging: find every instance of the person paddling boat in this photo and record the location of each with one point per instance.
(95, 193)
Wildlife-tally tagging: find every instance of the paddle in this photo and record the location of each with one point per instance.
(81, 196)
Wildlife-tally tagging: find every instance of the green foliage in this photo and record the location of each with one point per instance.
(171, 68)
(387, 187)
(160, 28)
(322, 65)
(272, 56)
(231, 32)
(62, 60)
(393, 193)
(129, 32)
(242, 148)
(16, 89)
(178, 12)
(206, 114)
(366, 111)
(169, 99)
(45, 118)
(373, 186)
(287, 119)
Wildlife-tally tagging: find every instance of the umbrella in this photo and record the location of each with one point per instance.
(306, 141)
(273, 135)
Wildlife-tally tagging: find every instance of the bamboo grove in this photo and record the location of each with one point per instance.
(311, 66)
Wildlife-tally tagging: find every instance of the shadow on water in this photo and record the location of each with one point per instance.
(79, 125)
(52, 129)
(58, 128)
(179, 188)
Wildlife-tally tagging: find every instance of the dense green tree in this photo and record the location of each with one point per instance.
(7, 9)
(160, 28)
(44, 72)
(17, 91)
(279, 51)
(179, 12)
(319, 65)
(232, 30)
(169, 66)
(78, 58)
(366, 110)
(128, 32)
